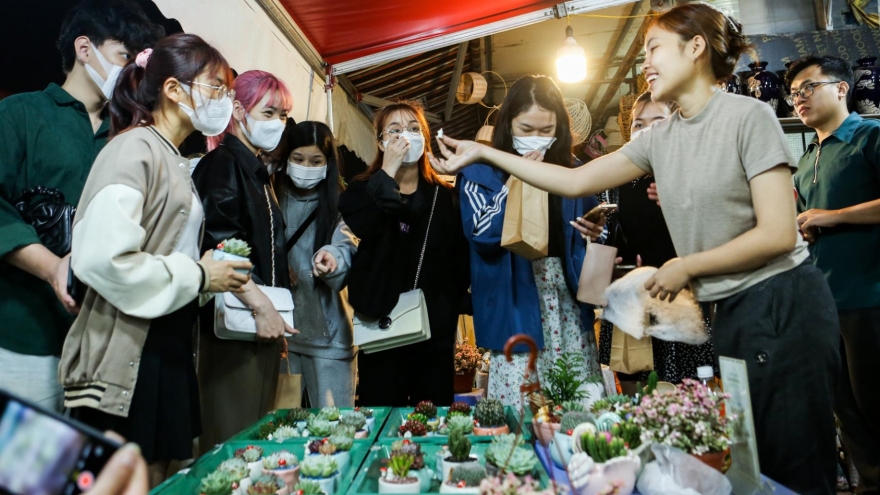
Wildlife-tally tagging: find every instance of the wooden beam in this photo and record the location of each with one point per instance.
(823, 14)
(628, 62)
(612, 50)
(375, 101)
(453, 86)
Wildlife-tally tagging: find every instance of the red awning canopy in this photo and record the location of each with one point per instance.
(344, 30)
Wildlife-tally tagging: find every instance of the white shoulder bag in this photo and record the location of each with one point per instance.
(233, 319)
(408, 321)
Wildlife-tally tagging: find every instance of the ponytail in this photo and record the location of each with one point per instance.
(130, 105)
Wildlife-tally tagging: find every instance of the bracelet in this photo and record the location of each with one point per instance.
(205, 282)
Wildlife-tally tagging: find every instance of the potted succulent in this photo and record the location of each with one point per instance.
(418, 468)
(490, 418)
(267, 484)
(284, 465)
(307, 487)
(546, 424)
(429, 410)
(463, 423)
(233, 250)
(368, 413)
(412, 428)
(458, 409)
(464, 479)
(467, 360)
(512, 485)
(236, 467)
(507, 453)
(459, 454)
(253, 456)
(318, 426)
(330, 413)
(343, 430)
(396, 477)
(321, 469)
(357, 421)
(604, 461)
(283, 433)
(218, 483)
(618, 403)
(298, 417)
(342, 444)
(561, 446)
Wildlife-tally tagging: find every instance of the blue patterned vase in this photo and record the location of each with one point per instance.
(866, 94)
(732, 85)
(764, 85)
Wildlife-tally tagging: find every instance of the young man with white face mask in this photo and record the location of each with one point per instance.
(50, 138)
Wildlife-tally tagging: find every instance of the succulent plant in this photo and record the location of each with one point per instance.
(467, 476)
(318, 466)
(326, 448)
(236, 467)
(489, 413)
(573, 405)
(343, 443)
(251, 453)
(521, 462)
(306, 487)
(285, 432)
(629, 432)
(218, 483)
(330, 413)
(343, 430)
(458, 409)
(499, 451)
(611, 403)
(602, 446)
(235, 246)
(570, 420)
(354, 419)
(298, 414)
(463, 423)
(367, 412)
(266, 429)
(459, 447)
(318, 426)
(416, 428)
(280, 460)
(421, 418)
(400, 464)
(266, 484)
(412, 448)
(427, 408)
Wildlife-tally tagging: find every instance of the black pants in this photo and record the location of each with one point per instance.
(857, 403)
(405, 376)
(786, 329)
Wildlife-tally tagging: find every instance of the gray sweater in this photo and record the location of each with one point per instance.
(325, 333)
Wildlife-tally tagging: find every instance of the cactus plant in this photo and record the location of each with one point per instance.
(318, 466)
(280, 460)
(236, 467)
(298, 414)
(343, 443)
(218, 483)
(319, 426)
(421, 418)
(343, 430)
(235, 246)
(330, 413)
(251, 453)
(306, 487)
(629, 432)
(354, 419)
(415, 428)
(570, 420)
(458, 409)
(459, 447)
(602, 446)
(467, 476)
(427, 408)
(463, 423)
(412, 448)
(489, 413)
(266, 484)
(284, 432)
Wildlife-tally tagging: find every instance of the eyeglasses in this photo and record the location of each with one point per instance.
(217, 92)
(806, 91)
(395, 130)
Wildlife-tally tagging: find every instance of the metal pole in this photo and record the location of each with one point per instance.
(328, 88)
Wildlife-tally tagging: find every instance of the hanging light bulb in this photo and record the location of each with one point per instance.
(571, 60)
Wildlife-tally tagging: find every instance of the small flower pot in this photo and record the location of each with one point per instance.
(545, 431)
(491, 432)
(242, 487)
(410, 485)
(717, 460)
(449, 488)
(289, 475)
(464, 382)
(589, 478)
(224, 256)
(362, 433)
(326, 484)
(448, 466)
(343, 460)
(256, 468)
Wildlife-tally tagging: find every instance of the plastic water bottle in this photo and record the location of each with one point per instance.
(706, 374)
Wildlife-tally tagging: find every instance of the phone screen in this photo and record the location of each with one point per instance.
(42, 454)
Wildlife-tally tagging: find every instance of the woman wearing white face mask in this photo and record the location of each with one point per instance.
(512, 294)
(319, 251)
(239, 379)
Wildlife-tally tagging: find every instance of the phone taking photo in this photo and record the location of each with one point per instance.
(44, 453)
(596, 213)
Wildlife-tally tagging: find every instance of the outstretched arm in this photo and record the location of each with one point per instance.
(599, 175)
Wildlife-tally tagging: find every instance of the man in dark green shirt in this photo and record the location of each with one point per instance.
(50, 138)
(838, 186)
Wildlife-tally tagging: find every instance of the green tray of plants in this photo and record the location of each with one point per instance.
(235, 466)
(429, 424)
(411, 467)
(304, 424)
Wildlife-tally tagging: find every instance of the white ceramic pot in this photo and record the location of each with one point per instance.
(362, 433)
(447, 488)
(343, 459)
(242, 487)
(560, 449)
(326, 484)
(589, 478)
(289, 475)
(224, 256)
(410, 487)
(448, 466)
(256, 468)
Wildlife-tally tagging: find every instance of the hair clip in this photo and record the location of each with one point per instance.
(730, 20)
(143, 57)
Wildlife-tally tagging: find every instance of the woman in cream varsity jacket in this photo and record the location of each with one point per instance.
(127, 363)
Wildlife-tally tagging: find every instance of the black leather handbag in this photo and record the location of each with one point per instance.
(45, 209)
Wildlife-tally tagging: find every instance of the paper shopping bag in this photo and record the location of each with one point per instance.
(289, 395)
(596, 273)
(630, 355)
(526, 231)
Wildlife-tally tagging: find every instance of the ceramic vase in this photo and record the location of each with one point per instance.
(544, 432)
(413, 486)
(866, 94)
(764, 85)
(732, 85)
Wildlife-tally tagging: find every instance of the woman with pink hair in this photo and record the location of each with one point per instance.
(238, 379)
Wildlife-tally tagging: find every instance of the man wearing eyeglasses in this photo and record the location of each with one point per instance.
(838, 185)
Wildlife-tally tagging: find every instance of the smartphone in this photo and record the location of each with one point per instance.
(596, 213)
(44, 453)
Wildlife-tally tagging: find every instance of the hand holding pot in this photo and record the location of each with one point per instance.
(222, 274)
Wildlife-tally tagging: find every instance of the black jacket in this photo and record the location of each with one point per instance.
(233, 184)
(392, 228)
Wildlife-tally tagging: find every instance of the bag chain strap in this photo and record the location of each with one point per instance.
(425, 245)
(271, 230)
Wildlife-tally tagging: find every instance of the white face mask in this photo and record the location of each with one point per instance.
(525, 144)
(112, 71)
(306, 177)
(416, 147)
(265, 134)
(210, 116)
